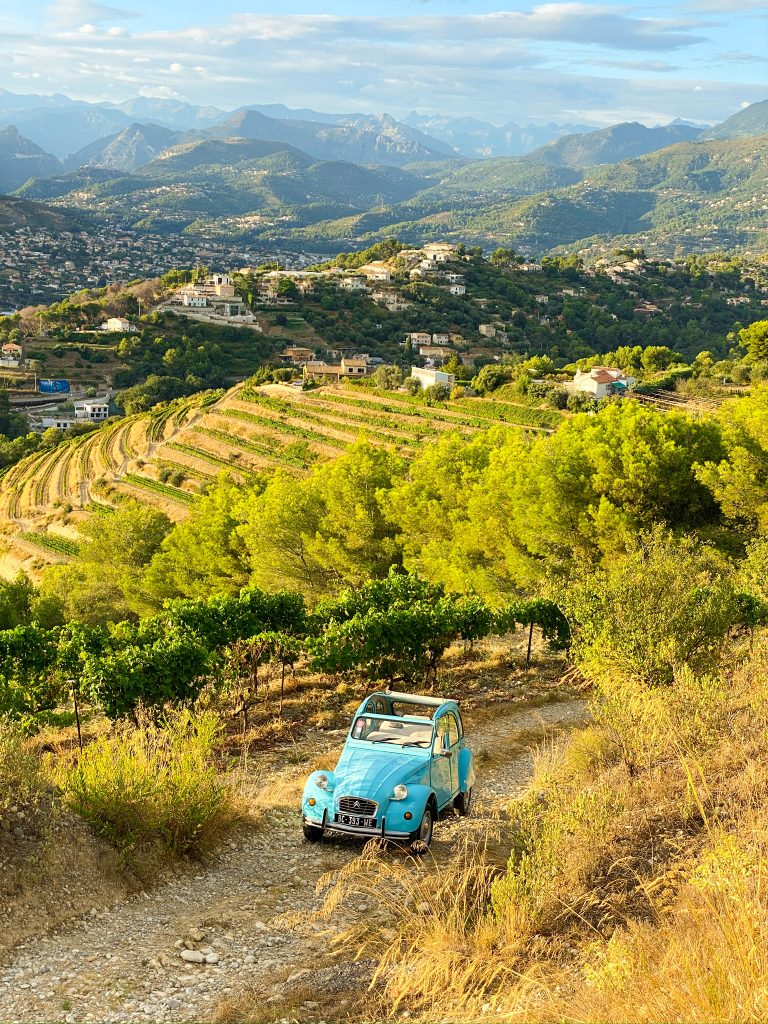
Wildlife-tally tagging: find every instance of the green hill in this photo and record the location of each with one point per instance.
(687, 197)
(753, 120)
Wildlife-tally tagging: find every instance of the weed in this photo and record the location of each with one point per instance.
(153, 781)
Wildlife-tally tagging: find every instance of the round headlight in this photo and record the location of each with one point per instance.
(400, 792)
(322, 781)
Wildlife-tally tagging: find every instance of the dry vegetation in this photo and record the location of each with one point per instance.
(631, 887)
(104, 823)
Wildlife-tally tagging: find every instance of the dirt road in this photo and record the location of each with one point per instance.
(125, 963)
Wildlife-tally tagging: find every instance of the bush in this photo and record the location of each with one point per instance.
(667, 603)
(581, 401)
(153, 782)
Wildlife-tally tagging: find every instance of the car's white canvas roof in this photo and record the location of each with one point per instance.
(414, 698)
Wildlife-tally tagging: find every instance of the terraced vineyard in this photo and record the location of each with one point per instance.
(65, 475)
(168, 456)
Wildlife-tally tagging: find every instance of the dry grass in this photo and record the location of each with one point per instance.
(22, 780)
(154, 781)
(634, 888)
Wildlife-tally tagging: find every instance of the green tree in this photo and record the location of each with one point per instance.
(204, 554)
(389, 378)
(664, 604)
(106, 582)
(755, 340)
(739, 480)
(327, 530)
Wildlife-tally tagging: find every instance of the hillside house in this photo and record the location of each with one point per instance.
(93, 410)
(602, 381)
(427, 378)
(354, 366)
(419, 338)
(457, 289)
(487, 330)
(10, 354)
(376, 271)
(60, 421)
(646, 309)
(354, 284)
(529, 268)
(222, 284)
(441, 339)
(434, 351)
(193, 300)
(297, 355)
(118, 323)
(438, 252)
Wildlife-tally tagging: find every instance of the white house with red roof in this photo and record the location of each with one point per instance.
(602, 381)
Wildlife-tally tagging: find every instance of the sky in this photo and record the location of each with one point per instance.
(586, 63)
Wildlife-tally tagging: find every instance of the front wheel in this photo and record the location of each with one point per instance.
(422, 837)
(463, 802)
(312, 833)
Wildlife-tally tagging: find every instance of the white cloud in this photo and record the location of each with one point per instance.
(78, 12)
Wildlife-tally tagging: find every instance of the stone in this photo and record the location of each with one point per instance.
(196, 935)
(298, 975)
(211, 958)
(192, 956)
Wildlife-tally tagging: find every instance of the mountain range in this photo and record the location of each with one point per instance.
(331, 183)
(62, 126)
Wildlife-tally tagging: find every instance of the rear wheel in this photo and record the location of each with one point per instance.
(463, 802)
(422, 837)
(312, 833)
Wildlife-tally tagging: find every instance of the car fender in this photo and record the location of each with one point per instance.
(466, 770)
(323, 797)
(417, 799)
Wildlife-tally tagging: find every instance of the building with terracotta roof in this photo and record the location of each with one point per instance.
(602, 381)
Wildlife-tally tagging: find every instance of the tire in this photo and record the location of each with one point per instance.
(463, 803)
(312, 833)
(422, 837)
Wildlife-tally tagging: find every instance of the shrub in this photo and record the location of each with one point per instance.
(667, 603)
(154, 781)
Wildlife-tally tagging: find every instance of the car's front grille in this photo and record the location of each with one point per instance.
(358, 805)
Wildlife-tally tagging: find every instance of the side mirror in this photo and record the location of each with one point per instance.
(446, 753)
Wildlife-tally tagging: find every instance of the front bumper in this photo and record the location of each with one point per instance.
(381, 832)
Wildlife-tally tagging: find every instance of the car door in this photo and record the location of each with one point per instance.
(441, 771)
(454, 745)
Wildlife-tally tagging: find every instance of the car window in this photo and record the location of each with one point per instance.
(362, 727)
(392, 734)
(405, 709)
(440, 731)
(453, 729)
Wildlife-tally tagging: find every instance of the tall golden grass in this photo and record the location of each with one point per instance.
(635, 889)
(22, 780)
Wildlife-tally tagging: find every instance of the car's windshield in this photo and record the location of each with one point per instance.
(387, 733)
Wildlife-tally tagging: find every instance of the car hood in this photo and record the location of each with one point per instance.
(373, 775)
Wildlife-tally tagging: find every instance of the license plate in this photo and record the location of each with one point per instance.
(355, 820)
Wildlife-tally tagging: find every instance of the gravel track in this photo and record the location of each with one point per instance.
(124, 963)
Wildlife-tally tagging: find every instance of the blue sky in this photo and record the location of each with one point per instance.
(594, 63)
